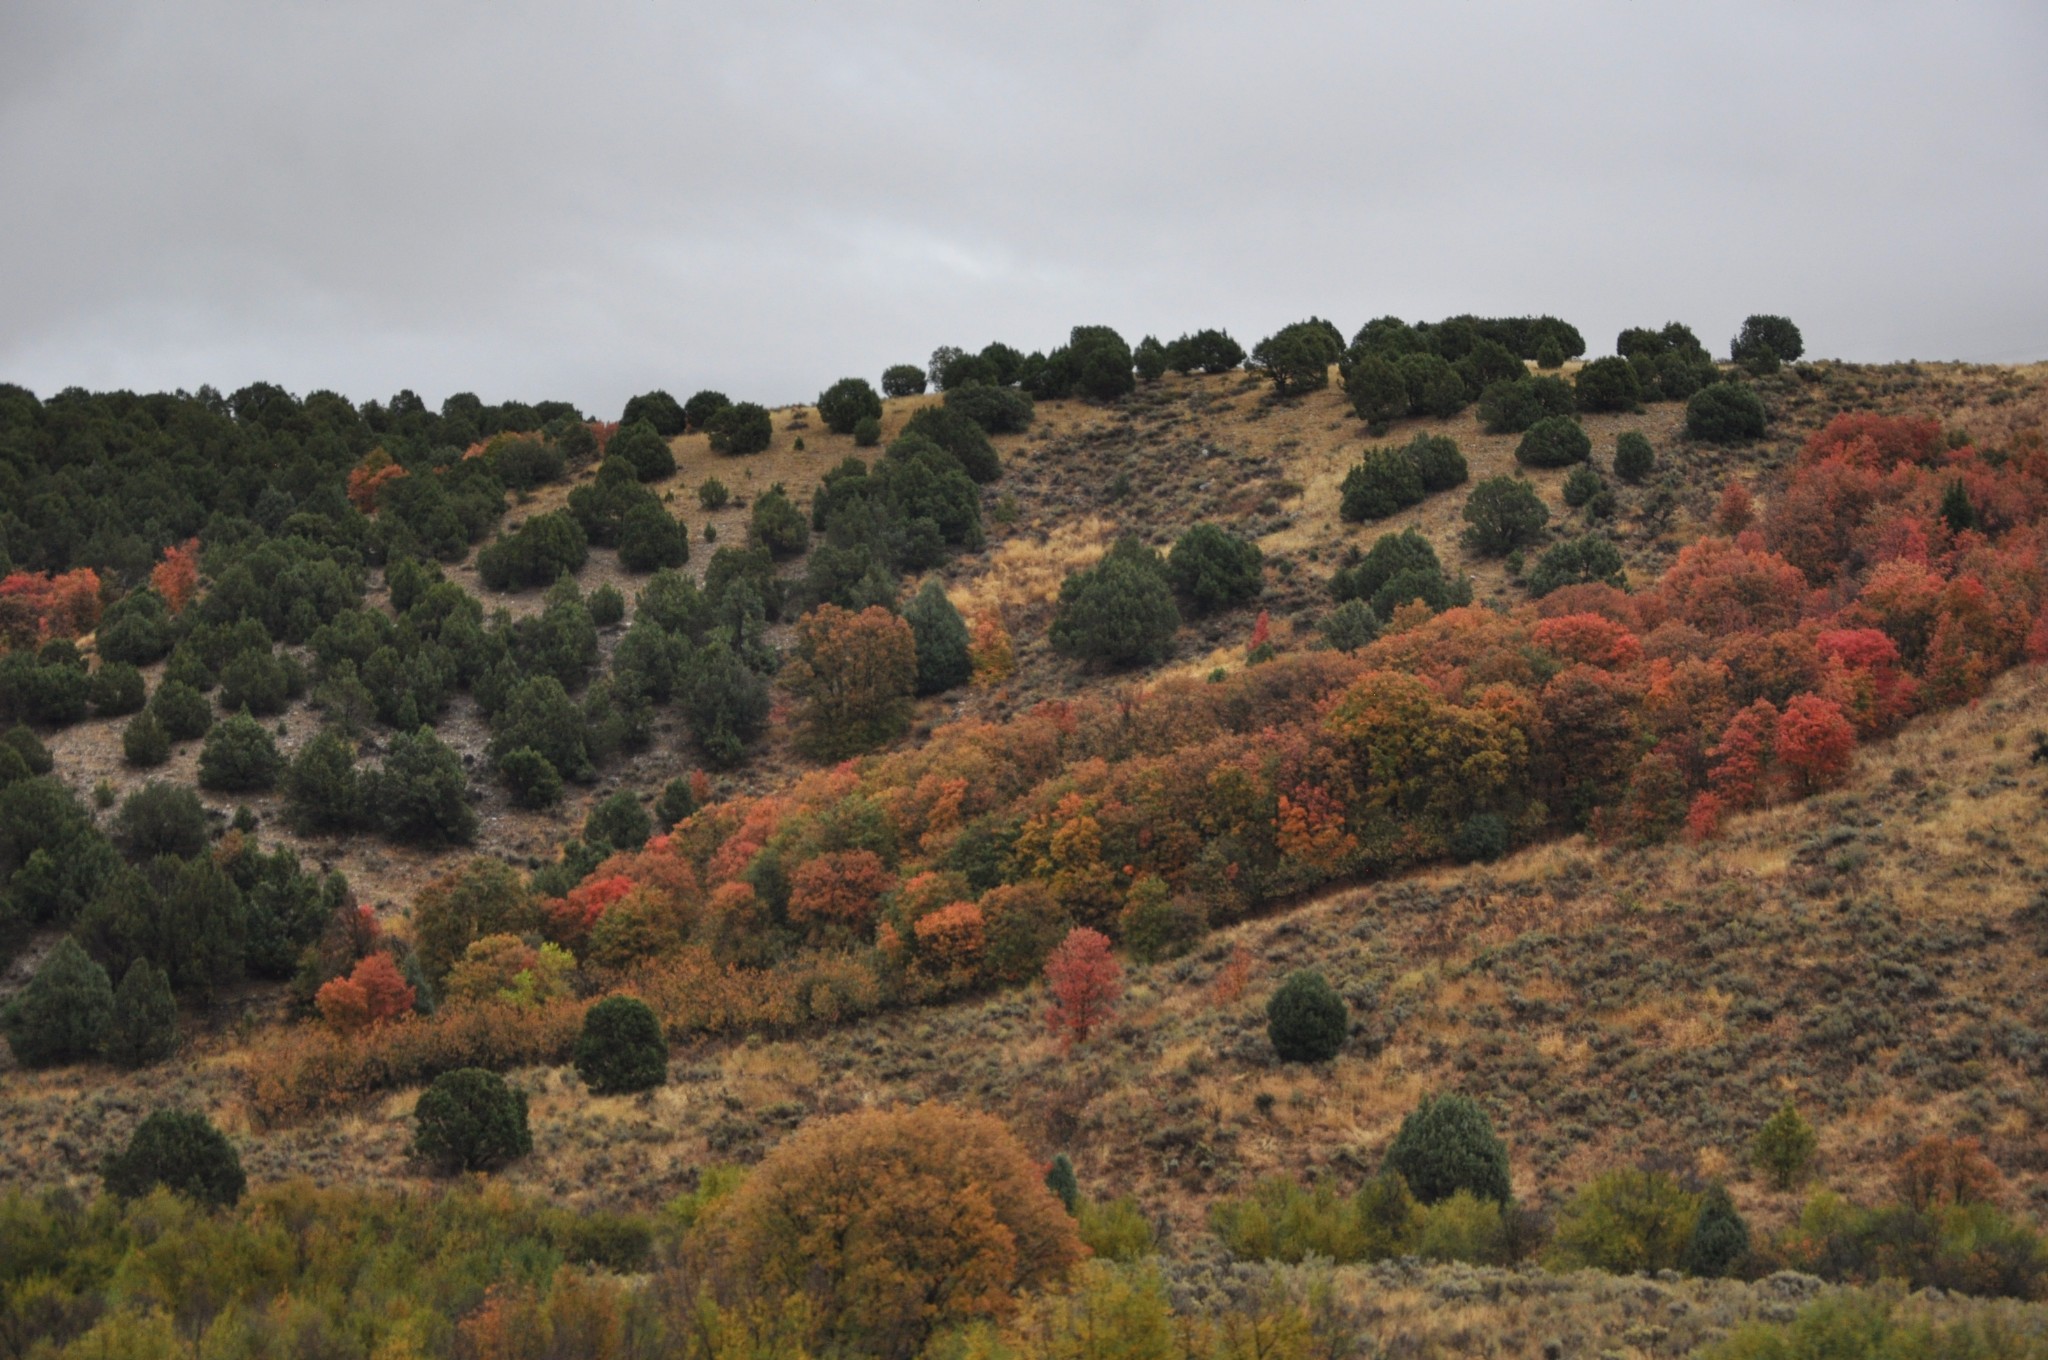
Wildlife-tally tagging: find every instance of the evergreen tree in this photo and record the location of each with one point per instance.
(182, 1151)
(622, 1048)
(160, 819)
(1784, 1147)
(1720, 1239)
(1306, 1020)
(470, 1120)
(421, 793)
(239, 757)
(1634, 459)
(323, 789)
(65, 1014)
(619, 821)
(1213, 569)
(942, 640)
(1447, 1145)
(145, 1028)
(1060, 1179)
(1120, 612)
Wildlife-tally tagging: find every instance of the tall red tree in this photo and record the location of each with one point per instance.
(1086, 983)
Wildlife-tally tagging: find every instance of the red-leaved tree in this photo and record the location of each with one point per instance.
(176, 578)
(374, 993)
(1815, 743)
(1086, 983)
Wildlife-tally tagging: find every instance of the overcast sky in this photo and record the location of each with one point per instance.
(587, 200)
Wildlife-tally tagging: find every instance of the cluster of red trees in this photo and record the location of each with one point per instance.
(1889, 573)
(35, 608)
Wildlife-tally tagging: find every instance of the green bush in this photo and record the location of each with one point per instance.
(421, 794)
(1213, 569)
(1119, 612)
(239, 756)
(1724, 413)
(1117, 1230)
(777, 525)
(1060, 1179)
(657, 409)
(960, 436)
(1464, 1227)
(1480, 839)
(1549, 354)
(1447, 1145)
(1501, 514)
(726, 703)
(145, 1028)
(1351, 625)
(678, 800)
(529, 778)
(1766, 337)
(1633, 457)
(181, 710)
(699, 410)
(1151, 360)
(1582, 484)
(160, 819)
(1378, 395)
(1298, 357)
(1719, 1242)
(536, 553)
(1578, 561)
(136, 630)
(642, 448)
(1384, 482)
(741, 429)
(144, 743)
(998, 410)
(1784, 1147)
(1434, 387)
(260, 682)
(470, 1120)
(650, 539)
(182, 1151)
(116, 689)
(847, 403)
(618, 821)
(942, 640)
(867, 432)
(66, 1012)
(35, 757)
(1625, 1221)
(1511, 406)
(1306, 1020)
(323, 789)
(1392, 570)
(903, 380)
(1554, 442)
(621, 1048)
(1608, 385)
(1438, 460)
(712, 494)
(1205, 351)
(1099, 364)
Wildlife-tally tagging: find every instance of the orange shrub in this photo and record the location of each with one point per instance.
(176, 578)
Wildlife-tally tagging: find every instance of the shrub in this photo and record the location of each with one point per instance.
(116, 689)
(1298, 357)
(1118, 613)
(1582, 484)
(777, 525)
(1099, 363)
(741, 429)
(1447, 1145)
(1784, 1147)
(657, 409)
(534, 554)
(239, 756)
(1086, 983)
(650, 539)
(1724, 413)
(678, 800)
(1206, 351)
(903, 380)
(160, 819)
(145, 1027)
(1608, 385)
(1774, 337)
(529, 778)
(1549, 354)
(1633, 457)
(1306, 1020)
(619, 822)
(421, 794)
(1480, 839)
(846, 403)
(1116, 1231)
(259, 682)
(323, 789)
(855, 674)
(998, 410)
(1434, 387)
(1384, 482)
(941, 638)
(1377, 393)
(540, 715)
(65, 1013)
(180, 710)
(1624, 1221)
(481, 897)
(867, 432)
(470, 1120)
(144, 743)
(1502, 514)
(1719, 1242)
(712, 494)
(700, 408)
(860, 1215)
(959, 436)
(1553, 442)
(621, 1049)
(643, 449)
(1578, 561)
(1060, 1179)
(1351, 625)
(1150, 358)
(182, 1151)
(726, 702)
(1212, 569)
(1438, 460)
(1511, 406)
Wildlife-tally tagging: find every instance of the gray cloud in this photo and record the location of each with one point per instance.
(584, 201)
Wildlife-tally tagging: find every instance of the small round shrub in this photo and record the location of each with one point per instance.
(712, 494)
(699, 409)
(1579, 561)
(1633, 457)
(618, 821)
(846, 403)
(903, 380)
(740, 429)
(1582, 484)
(1438, 460)
(530, 778)
(1214, 569)
(1502, 514)
(1549, 354)
(160, 819)
(144, 743)
(181, 710)
(1351, 625)
(867, 432)
(643, 448)
(1480, 839)
(183, 1151)
(606, 605)
(1553, 442)
(1608, 385)
(116, 689)
(650, 539)
(1447, 1145)
(1382, 483)
(1724, 413)
(239, 756)
(1377, 393)
(470, 1120)
(622, 1048)
(1306, 1019)
(65, 1013)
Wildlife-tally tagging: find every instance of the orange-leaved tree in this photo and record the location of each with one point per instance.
(892, 1224)
(1937, 1172)
(855, 674)
(1086, 983)
(374, 993)
(176, 578)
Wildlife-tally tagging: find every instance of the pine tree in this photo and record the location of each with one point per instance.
(1306, 1019)
(1447, 1145)
(182, 1151)
(145, 1028)
(1060, 1179)
(942, 641)
(65, 1014)
(1784, 1147)
(1720, 1239)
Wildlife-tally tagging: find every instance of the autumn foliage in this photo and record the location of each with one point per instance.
(375, 992)
(1086, 983)
(176, 578)
(36, 608)
(369, 477)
